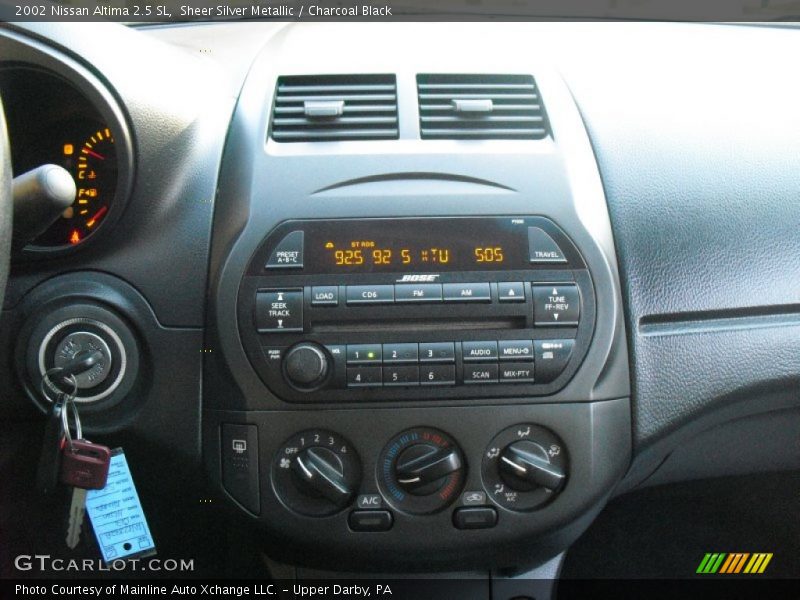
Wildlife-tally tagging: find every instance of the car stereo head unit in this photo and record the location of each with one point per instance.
(362, 310)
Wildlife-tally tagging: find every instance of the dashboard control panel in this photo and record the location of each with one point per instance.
(383, 309)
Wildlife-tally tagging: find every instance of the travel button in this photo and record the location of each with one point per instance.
(363, 377)
(480, 373)
(401, 375)
(515, 349)
(467, 292)
(400, 353)
(437, 375)
(324, 295)
(551, 358)
(473, 351)
(370, 294)
(516, 372)
(437, 352)
(556, 304)
(418, 292)
(511, 291)
(542, 248)
(279, 310)
(288, 254)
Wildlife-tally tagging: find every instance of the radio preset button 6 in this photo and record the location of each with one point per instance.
(467, 292)
(364, 354)
(279, 310)
(363, 376)
(324, 295)
(400, 353)
(437, 375)
(370, 294)
(418, 292)
(556, 304)
(515, 349)
(511, 291)
(400, 375)
(480, 373)
(437, 352)
(474, 351)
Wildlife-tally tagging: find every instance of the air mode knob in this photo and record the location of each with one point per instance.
(306, 366)
(525, 466)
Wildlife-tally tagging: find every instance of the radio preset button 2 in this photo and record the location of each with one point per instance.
(474, 351)
(417, 292)
(467, 292)
(400, 353)
(279, 310)
(437, 352)
(325, 295)
(370, 294)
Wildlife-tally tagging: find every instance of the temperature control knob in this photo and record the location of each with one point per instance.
(316, 472)
(306, 366)
(524, 467)
(421, 470)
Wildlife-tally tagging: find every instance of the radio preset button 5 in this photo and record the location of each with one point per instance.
(418, 292)
(556, 304)
(279, 310)
(437, 352)
(325, 295)
(474, 351)
(370, 294)
(400, 375)
(467, 292)
(364, 354)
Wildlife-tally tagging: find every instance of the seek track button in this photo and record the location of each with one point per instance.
(279, 310)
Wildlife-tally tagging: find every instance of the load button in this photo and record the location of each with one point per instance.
(556, 304)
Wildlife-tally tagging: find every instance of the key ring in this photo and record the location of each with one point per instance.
(47, 384)
(65, 422)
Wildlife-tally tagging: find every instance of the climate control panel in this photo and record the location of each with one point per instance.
(362, 310)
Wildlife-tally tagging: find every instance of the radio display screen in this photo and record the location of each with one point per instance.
(414, 245)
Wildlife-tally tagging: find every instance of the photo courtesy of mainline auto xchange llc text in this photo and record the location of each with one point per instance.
(378, 590)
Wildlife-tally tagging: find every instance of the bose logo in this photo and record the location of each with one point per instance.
(417, 278)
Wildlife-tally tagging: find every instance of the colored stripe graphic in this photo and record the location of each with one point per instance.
(711, 562)
(758, 563)
(734, 562)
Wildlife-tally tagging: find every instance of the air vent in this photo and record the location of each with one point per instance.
(335, 107)
(480, 107)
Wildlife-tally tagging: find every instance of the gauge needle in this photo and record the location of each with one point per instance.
(91, 222)
(93, 153)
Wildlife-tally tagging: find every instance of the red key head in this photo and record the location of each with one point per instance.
(85, 465)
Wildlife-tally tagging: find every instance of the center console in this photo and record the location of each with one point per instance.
(416, 358)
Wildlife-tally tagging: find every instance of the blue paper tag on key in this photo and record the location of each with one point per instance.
(117, 517)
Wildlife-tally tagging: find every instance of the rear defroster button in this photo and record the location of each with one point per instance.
(551, 358)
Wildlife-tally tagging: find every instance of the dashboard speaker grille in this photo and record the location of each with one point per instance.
(480, 107)
(324, 108)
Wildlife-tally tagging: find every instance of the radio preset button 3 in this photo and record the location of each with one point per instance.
(437, 352)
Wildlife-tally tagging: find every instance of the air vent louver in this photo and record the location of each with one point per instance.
(480, 107)
(335, 107)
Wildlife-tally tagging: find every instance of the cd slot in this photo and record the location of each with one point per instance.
(418, 325)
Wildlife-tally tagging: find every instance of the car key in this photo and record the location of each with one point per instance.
(47, 471)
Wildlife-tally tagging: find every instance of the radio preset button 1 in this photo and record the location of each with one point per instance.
(370, 294)
(279, 310)
(364, 354)
(400, 353)
(288, 254)
(363, 376)
(480, 373)
(324, 295)
(467, 292)
(400, 375)
(474, 351)
(418, 292)
(511, 291)
(437, 352)
(516, 372)
(437, 375)
(556, 304)
(515, 349)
